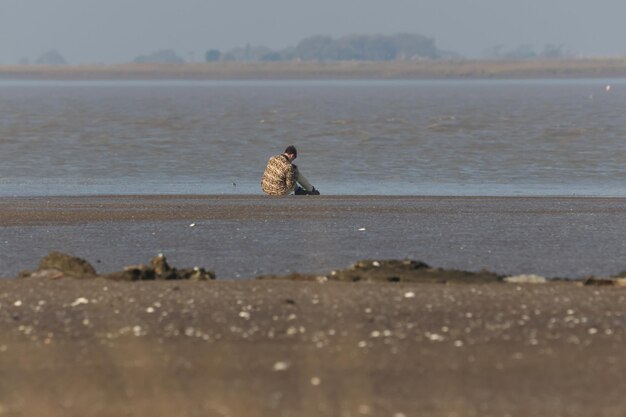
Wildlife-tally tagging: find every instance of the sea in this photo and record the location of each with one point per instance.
(538, 137)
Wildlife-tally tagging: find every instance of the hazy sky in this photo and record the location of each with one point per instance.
(111, 31)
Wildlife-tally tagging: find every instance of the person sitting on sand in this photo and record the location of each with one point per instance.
(282, 177)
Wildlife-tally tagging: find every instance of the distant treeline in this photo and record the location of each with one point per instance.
(374, 48)
(522, 52)
(401, 46)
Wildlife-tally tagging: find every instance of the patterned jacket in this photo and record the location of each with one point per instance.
(279, 177)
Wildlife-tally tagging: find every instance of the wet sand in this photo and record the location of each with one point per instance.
(278, 348)
(247, 236)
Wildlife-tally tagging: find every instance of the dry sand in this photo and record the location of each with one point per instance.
(278, 348)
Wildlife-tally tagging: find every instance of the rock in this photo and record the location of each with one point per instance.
(526, 279)
(160, 270)
(68, 265)
(392, 271)
(613, 282)
(58, 265)
(194, 274)
(133, 273)
(160, 265)
(24, 273)
(409, 271)
(42, 274)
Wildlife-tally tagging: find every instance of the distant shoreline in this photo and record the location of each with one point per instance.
(359, 70)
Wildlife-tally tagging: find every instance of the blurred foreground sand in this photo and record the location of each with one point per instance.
(278, 348)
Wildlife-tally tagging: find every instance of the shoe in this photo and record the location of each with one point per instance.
(302, 191)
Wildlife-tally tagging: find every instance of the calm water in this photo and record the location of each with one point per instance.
(538, 137)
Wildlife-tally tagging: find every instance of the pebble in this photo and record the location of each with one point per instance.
(409, 294)
(315, 381)
(79, 301)
(526, 279)
(434, 337)
(281, 366)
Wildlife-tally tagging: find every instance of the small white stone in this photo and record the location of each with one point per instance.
(526, 279)
(434, 337)
(192, 225)
(362, 229)
(79, 301)
(376, 264)
(281, 366)
(18, 303)
(315, 381)
(409, 294)
(150, 310)
(244, 315)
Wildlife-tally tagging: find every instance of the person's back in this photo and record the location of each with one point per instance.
(282, 177)
(279, 176)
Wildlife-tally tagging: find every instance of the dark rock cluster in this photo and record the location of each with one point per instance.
(58, 265)
(409, 271)
(395, 271)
